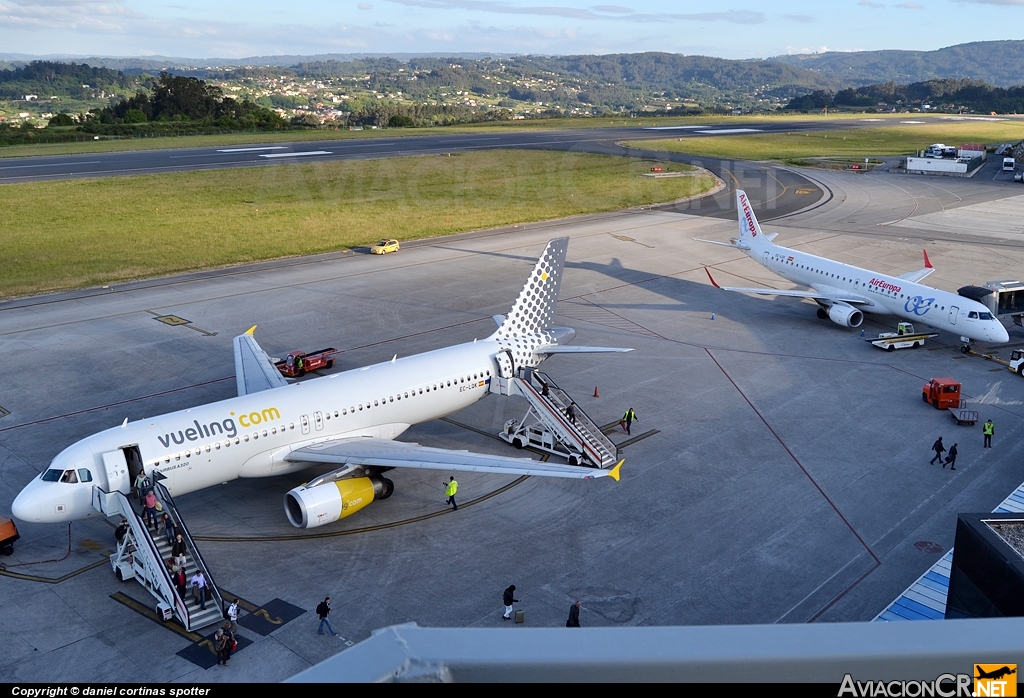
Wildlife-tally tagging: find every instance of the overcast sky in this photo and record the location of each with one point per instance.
(724, 28)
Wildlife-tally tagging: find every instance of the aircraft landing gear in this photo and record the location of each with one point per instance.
(965, 346)
(822, 313)
(389, 488)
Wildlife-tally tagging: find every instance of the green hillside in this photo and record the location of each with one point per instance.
(999, 63)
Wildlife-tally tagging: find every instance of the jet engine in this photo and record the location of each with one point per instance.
(309, 507)
(845, 315)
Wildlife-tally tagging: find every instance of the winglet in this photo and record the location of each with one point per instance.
(251, 330)
(927, 262)
(614, 472)
(713, 282)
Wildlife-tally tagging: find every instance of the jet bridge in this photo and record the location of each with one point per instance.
(547, 426)
(142, 557)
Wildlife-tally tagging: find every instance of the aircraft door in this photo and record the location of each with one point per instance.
(953, 312)
(766, 259)
(318, 420)
(506, 367)
(116, 467)
(304, 421)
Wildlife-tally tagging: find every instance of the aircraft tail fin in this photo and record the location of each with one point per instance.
(750, 231)
(534, 309)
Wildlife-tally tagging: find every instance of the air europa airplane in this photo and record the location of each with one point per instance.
(844, 292)
(348, 419)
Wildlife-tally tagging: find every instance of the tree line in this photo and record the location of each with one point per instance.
(944, 94)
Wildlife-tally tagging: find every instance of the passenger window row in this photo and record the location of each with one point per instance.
(216, 446)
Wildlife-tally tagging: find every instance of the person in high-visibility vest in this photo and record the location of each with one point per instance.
(628, 419)
(989, 428)
(451, 487)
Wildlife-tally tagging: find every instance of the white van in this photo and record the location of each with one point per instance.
(1009, 164)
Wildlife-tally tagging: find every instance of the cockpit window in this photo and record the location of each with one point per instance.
(985, 316)
(69, 477)
(972, 314)
(84, 475)
(52, 475)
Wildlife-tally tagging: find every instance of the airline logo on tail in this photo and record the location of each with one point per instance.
(748, 215)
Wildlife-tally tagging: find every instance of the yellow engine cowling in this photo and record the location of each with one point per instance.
(316, 506)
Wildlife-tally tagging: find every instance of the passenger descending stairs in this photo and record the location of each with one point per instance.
(583, 442)
(143, 554)
(198, 618)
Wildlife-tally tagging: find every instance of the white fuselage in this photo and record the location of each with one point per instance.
(250, 435)
(883, 294)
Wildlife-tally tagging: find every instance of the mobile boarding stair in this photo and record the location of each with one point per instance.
(142, 555)
(546, 427)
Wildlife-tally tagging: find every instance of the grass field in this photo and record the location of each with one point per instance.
(881, 140)
(72, 234)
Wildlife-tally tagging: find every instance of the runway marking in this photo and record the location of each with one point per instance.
(175, 321)
(296, 155)
(626, 238)
(147, 612)
(3, 412)
(670, 128)
(51, 164)
(251, 150)
(877, 562)
(51, 580)
(641, 437)
(732, 130)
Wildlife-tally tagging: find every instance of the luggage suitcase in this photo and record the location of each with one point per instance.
(520, 616)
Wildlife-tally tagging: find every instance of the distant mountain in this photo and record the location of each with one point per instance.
(999, 63)
(154, 64)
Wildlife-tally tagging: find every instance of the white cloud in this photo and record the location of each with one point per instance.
(365, 6)
(498, 7)
(873, 5)
(910, 6)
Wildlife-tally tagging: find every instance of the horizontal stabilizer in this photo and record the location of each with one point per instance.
(734, 245)
(383, 453)
(558, 349)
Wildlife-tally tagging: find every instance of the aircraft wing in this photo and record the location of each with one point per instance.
(570, 349)
(814, 295)
(384, 453)
(915, 276)
(254, 371)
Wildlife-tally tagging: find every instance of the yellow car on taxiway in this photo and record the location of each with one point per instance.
(385, 246)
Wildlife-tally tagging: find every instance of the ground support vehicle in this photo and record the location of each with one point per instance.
(1016, 362)
(902, 338)
(299, 362)
(941, 393)
(8, 535)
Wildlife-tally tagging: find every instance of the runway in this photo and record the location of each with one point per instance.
(782, 475)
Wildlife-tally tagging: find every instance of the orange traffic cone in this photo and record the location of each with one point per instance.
(595, 392)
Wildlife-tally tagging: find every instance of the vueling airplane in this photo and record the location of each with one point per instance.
(844, 292)
(348, 419)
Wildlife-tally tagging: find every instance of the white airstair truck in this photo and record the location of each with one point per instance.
(142, 555)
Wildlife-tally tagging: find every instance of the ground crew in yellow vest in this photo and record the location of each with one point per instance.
(989, 429)
(451, 487)
(628, 419)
